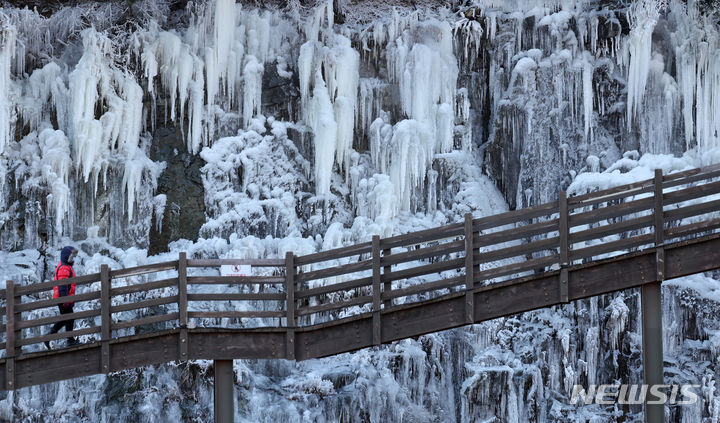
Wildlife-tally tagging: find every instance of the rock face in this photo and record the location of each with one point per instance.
(181, 183)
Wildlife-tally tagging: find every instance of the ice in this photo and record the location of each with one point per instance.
(342, 73)
(224, 35)
(56, 167)
(44, 92)
(587, 77)
(7, 53)
(322, 121)
(334, 66)
(409, 157)
(617, 318)
(252, 76)
(418, 56)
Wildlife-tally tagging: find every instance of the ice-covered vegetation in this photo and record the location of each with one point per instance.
(317, 126)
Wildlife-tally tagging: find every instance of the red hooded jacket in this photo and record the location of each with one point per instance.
(63, 271)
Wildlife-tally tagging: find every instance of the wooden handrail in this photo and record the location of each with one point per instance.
(227, 262)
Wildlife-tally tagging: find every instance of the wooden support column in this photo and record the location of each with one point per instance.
(291, 320)
(105, 317)
(224, 390)
(469, 271)
(651, 298)
(564, 235)
(182, 306)
(10, 335)
(377, 335)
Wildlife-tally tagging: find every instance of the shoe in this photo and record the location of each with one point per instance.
(72, 341)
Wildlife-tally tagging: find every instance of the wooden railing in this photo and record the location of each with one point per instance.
(371, 277)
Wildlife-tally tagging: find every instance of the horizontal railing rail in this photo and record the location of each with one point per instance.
(371, 277)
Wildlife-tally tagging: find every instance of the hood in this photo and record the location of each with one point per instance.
(65, 254)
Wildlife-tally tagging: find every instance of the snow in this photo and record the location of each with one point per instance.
(704, 287)
(638, 169)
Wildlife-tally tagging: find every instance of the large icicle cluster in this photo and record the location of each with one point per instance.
(7, 53)
(643, 16)
(328, 69)
(697, 43)
(213, 67)
(94, 83)
(421, 63)
(220, 58)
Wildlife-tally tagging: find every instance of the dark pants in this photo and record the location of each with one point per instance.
(68, 324)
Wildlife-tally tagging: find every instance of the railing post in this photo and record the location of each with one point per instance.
(105, 321)
(564, 236)
(10, 333)
(387, 285)
(469, 271)
(659, 226)
(376, 325)
(183, 305)
(291, 321)
(651, 299)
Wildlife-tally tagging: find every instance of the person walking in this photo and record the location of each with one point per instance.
(64, 270)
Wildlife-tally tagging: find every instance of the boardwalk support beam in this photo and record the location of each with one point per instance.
(651, 298)
(224, 391)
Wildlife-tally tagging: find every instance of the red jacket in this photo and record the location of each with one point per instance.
(63, 271)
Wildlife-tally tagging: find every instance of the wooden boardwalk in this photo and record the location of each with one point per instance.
(372, 293)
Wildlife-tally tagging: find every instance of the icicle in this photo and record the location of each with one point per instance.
(685, 40)
(305, 74)
(343, 79)
(340, 66)
(431, 194)
(7, 51)
(224, 35)
(87, 132)
(643, 16)
(195, 108)
(56, 166)
(587, 78)
(252, 75)
(409, 157)
(325, 131)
